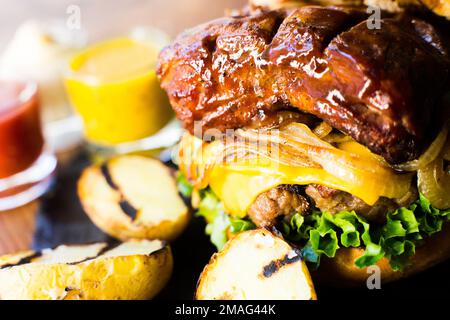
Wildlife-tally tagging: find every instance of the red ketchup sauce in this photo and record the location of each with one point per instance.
(21, 139)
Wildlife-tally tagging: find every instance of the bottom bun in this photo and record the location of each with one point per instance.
(342, 271)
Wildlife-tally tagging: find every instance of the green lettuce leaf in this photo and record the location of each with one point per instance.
(210, 207)
(239, 225)
(217, 230)
(183, 185)
(396, 240)
(322, 233)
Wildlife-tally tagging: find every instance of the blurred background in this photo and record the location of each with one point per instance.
(105, 18)
(35, 48)
(40, 53)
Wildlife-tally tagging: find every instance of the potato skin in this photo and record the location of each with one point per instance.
(341, 271)
(101, 203)
(133, 277)
(233, 273)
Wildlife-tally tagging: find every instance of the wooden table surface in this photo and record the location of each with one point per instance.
(100, 19)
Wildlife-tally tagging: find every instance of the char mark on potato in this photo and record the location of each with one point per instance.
(102, 251)
(107, 175)
(275, 265)
(124, 204)
(23, 260)
(128, 209)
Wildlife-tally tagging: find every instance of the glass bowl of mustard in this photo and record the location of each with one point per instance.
(114, 89)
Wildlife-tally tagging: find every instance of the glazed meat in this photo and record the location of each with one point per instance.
(384, 87)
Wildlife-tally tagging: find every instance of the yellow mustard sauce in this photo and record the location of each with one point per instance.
(114, 88)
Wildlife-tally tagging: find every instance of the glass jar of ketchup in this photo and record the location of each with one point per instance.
(25, 168)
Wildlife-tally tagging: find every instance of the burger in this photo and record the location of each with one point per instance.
(328, 125)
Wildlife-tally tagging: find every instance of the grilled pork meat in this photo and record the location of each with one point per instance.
(383, 87)
(333, 201)
(281, 201)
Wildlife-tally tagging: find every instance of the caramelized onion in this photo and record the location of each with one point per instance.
(446, 151)
(434, 183)
(299, 139)
(251, 152)
(297, 142)
(191, 160)
(358, 171)
(323, 130)
(296, 149)
(429, 155)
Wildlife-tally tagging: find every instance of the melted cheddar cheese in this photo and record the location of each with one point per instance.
(238, 183)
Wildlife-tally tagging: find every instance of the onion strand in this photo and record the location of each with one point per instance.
(434, 183)
(323, 130)
(296, 146)
(429, 155)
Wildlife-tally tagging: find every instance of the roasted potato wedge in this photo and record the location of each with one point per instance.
(133, 197)
(132, 270)
(256, 265)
